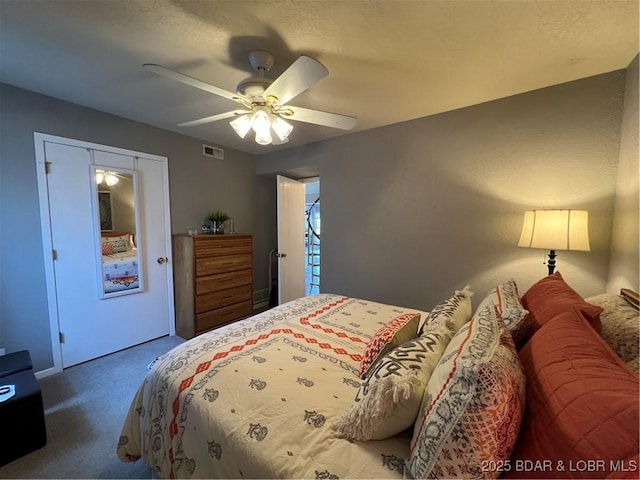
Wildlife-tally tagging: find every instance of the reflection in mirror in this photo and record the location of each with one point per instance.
(119, 252)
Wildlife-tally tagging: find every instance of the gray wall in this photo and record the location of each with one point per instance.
(625, 259)
(413, 211)
(122, 203)
(410, 211)
(197, 185)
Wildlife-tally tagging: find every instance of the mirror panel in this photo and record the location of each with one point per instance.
(117, 220)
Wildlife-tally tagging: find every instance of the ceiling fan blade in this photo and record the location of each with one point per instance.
(187, 80)
(212, 118)
(300, 75)
(317, 117)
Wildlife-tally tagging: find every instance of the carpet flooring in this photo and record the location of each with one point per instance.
(85, 407)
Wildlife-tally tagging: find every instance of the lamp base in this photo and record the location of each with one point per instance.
(551, 264)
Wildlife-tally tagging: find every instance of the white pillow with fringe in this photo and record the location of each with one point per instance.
(456, 309)
(388, 401)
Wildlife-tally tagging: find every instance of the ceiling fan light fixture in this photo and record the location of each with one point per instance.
(260, 121)
(241, 125)
(111, 179)
(263, 137)
(281, 127)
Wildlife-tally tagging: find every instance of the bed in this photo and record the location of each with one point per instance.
(119, 261)
(329, 386)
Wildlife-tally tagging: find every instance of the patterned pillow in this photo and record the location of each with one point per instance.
(121, 241)
(392, 335)
(120, 245)
(107, 248)
(471, 411)
(507, 302)
(620, 327)
(388, 401)
(456, 309)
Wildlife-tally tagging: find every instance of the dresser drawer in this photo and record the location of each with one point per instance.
(221, 316)
(226, 263)
(211, 301)
(207, 246)
(222, 281)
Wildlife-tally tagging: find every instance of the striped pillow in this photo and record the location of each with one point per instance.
(506, 300)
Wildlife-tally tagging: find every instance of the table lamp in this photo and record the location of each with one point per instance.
(555, 230)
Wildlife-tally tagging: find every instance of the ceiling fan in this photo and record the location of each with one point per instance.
(265, 101)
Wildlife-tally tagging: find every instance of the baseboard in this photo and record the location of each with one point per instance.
(47, 372)
(260, 306)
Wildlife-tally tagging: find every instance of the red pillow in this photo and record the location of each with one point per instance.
(552, 296)
(581, 411)
(107, 248)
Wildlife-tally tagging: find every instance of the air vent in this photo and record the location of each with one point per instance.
(213, 152)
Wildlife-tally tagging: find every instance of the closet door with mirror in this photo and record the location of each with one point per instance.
(109, 232)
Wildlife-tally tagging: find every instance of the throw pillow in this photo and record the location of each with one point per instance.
(392, 335)
(581, 405)
(551, 296)
(107, 248)
(472, 408)
(121, 238)
(388, 401)
(620, 327)
(506, 300)
(120, 245)
(456, 310)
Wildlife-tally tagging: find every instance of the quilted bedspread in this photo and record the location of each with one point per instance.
(257, 398)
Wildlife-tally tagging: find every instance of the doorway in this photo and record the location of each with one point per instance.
(298, 251)
(312, 237)
(107, 249)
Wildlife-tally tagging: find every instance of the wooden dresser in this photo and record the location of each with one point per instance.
(213, 281)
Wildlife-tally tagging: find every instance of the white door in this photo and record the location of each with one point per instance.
(290, 239)
(90, 323)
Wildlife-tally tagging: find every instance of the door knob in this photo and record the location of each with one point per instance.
(281, 255)
(162, 260)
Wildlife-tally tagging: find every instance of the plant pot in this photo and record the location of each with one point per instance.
(218, 227)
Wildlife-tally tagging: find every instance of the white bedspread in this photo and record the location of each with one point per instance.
(257, 398)
(120, 271)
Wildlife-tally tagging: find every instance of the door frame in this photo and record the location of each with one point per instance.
(47, 237)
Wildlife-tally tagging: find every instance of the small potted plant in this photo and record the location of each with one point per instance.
(217, 219)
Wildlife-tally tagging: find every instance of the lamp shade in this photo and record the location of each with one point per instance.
(555, 230)
(241, 125)
(281, 127)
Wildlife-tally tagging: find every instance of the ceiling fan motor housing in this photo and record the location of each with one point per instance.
(253, 87)
(261, 60)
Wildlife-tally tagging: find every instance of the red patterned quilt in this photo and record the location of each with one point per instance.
(257, 398)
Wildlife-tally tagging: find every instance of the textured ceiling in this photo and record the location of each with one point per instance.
(389, 61)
